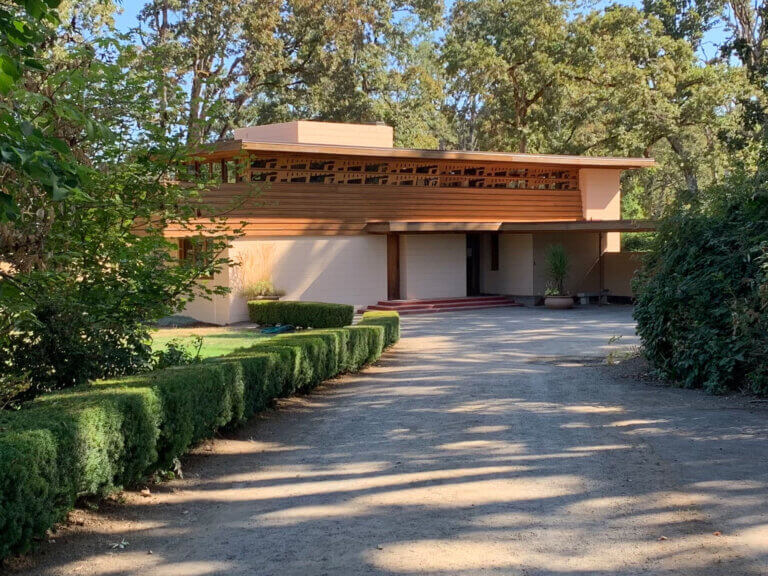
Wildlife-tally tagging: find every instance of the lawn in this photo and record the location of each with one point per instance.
(217, 341)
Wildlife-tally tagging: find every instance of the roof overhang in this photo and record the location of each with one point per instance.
(228, 148)
(512, 227)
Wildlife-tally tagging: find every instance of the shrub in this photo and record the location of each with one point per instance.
(389, 320)
(261, 288)
(702, 305)
(305, 314)
(94, 438)
(369, 343)
(558, 265)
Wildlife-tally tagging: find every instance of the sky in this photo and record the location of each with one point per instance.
(714, 38)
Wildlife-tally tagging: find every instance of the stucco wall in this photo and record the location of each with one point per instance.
(216, 310)
(515, 273)
(347, 270)
(582, 249)
(601, 199)
(619, 270)
(433, 265)
(311, 132)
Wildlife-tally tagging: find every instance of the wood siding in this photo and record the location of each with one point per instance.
(343, 209)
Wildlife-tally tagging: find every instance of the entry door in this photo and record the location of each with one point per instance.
(473, 264)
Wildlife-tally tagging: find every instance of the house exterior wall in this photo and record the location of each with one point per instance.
(601, 200)
(347, 270)
(217, 309)
(582, 249)
(433, 265)
(515, 273)
(619, 269)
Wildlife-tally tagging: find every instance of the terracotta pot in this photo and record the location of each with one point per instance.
(558, 302)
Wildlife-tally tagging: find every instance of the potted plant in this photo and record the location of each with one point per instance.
(261, 290)
(556, 297)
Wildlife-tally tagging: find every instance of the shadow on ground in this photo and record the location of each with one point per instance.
(488, 442)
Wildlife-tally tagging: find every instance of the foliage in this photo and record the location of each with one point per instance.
(304, 314)
(261, 288)
(177, 353)
(274, 61)
(558, 266)
(702, 306)
(92, 439)
(390, 321)
(215, 342)
(83, 274)
(30, 156)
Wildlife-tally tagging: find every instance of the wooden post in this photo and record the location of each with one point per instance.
(393, 266)
(601, 266)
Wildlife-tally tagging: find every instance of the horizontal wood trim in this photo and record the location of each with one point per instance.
(513, 227)
(310, 209)
(233, 147)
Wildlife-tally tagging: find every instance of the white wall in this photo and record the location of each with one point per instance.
(433, 265)
(515, 273)
(347, 270)
(216, 310)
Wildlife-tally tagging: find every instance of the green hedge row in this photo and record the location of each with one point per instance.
(93, 439)
(304, 314)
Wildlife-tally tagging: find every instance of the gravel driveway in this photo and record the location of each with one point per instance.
(487, 442)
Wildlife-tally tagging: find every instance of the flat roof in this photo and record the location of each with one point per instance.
(521, 227)
(227, 147)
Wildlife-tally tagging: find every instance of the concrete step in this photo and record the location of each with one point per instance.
(467, 299)
(444, 304)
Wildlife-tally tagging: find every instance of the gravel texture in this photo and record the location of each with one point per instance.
(487, 442)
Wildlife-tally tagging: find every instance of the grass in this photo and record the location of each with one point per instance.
(217, 341)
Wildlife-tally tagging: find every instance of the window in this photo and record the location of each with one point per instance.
(495, 251)
(196, 251)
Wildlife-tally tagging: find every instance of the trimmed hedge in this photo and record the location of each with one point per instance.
(304, 314)
(389, 320)
(94, 439)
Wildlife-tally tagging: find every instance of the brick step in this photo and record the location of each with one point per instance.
(426, 307)
(437, 309)
(447, 306)
(459, 299)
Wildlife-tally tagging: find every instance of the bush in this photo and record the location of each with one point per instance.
(94, 438)
(304, 314)
(702, 305)
(389, 320)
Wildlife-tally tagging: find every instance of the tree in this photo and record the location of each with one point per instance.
(30, 157)
(273, 61)
(82, 275)
(505, 60)
(651, 95)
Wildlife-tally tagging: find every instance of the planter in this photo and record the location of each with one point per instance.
(558, 302)
(266, 297)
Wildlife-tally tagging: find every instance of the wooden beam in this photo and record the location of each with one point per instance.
(393, 267)
(512, 227)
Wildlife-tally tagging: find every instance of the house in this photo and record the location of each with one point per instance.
(343, 216)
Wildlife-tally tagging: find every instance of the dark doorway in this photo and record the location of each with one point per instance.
(473, 264)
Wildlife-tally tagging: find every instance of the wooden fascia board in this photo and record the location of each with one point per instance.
(233, 147)
(520, 227)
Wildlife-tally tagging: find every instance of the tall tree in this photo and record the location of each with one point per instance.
(505, 60)
(240, 61)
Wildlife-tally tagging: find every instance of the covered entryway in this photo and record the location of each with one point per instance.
(429, 260)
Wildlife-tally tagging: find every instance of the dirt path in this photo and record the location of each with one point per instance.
(487, 442)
